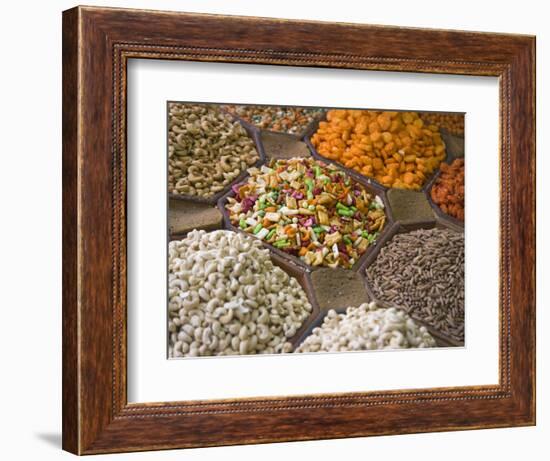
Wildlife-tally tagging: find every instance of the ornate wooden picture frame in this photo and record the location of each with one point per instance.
(97, 44)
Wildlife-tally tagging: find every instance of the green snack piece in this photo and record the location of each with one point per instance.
(346, 240)
(281, 243)
(242, 224)
(270, 233)
(372, 237)
(343, 212)
(258, 228)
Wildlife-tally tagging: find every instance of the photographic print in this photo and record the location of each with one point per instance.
(309, 229)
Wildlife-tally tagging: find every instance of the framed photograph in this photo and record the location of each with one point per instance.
(286, 230)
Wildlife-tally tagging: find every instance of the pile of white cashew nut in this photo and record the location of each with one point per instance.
(366, 327)
(207, 150)
(226, 297)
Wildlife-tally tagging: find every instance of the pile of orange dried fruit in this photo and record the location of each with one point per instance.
(448, 189)
(395, 148)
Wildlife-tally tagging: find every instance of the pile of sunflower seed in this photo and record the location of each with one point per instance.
(423, 272)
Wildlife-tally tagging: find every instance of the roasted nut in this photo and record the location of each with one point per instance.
(206, 149)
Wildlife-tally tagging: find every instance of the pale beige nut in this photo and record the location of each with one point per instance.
(226, 297)
(367, 327)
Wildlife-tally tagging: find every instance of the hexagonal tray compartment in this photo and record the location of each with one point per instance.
(254, 134)
(372, 188)
(440, 215)
(318, 321)
(299, 135)
(311, 131)
(397, 228)
(303, 277)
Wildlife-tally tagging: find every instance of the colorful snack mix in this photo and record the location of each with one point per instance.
(308, 209)
(292, 120)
